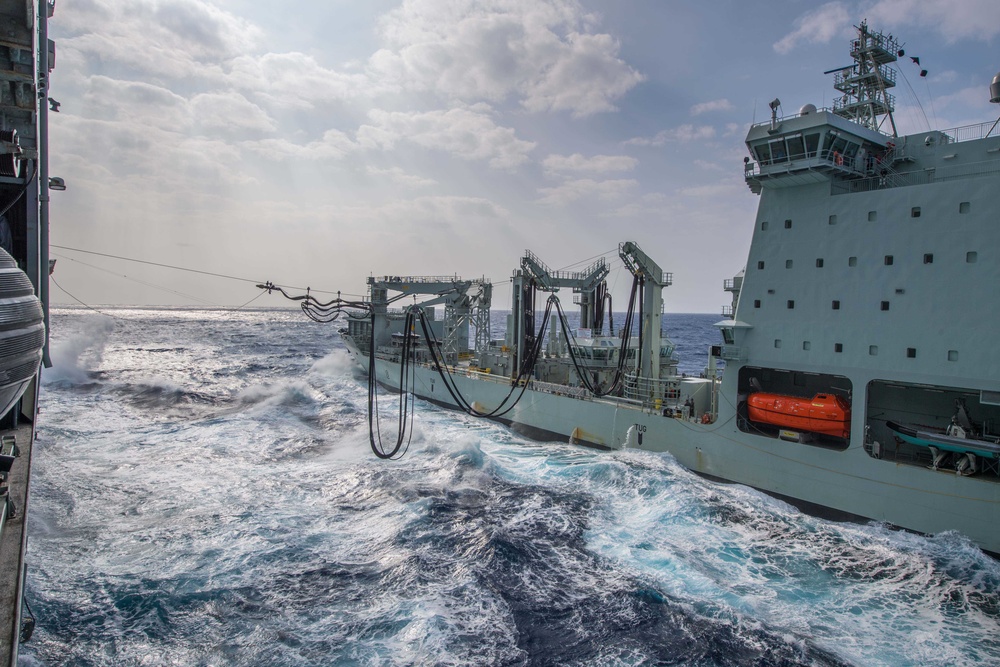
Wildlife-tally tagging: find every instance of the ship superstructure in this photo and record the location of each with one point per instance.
(858, 374)
(26, 60)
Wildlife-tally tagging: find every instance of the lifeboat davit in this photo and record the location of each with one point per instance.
(827, 414)
(22, 332)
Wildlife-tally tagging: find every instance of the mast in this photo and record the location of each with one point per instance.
(865, 83)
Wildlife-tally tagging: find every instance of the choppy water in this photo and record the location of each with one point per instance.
(203, 494)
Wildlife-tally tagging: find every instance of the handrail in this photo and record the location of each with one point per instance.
(973, 132)
(419, 279)
(922, 177)
(956, 134)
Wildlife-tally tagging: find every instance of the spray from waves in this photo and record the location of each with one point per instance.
(735, 553)
(75, 357)
(336, 364)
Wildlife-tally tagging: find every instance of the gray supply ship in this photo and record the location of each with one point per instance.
(857, 378)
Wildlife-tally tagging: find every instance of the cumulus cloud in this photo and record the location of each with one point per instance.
(334, 144)
(681, 134)
(710, 166)
(597, 164)
(231, 112)
(195, 68)
(176, 39)
(714, 105)
(573, 190)
(297, 80)
(455, 209)
(186, 108)
(818, 26)
(134, 102)
(585, 79)
(955, 19)
(540, 53)
(714, 190)
(470, 134)
(734, 129)
(398, 176)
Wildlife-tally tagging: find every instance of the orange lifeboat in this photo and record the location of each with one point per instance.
(827, 414)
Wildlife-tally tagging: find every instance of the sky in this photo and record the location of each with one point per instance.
(316, 143)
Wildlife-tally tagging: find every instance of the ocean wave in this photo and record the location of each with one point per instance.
(154, 392)
(265, 532)
(291, 393)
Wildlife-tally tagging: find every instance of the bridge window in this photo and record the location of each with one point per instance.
(796, 149)
(778, 150)
(828, 140)
(964, 207)
(836, 145)
(763, 153)
(812, 143)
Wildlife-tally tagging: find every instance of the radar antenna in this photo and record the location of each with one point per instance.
(864, 84)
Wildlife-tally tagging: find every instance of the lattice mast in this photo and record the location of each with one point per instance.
(865, 84)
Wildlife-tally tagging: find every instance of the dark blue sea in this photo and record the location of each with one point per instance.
(203, 493)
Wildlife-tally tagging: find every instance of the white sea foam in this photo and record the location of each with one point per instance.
(269, 534)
